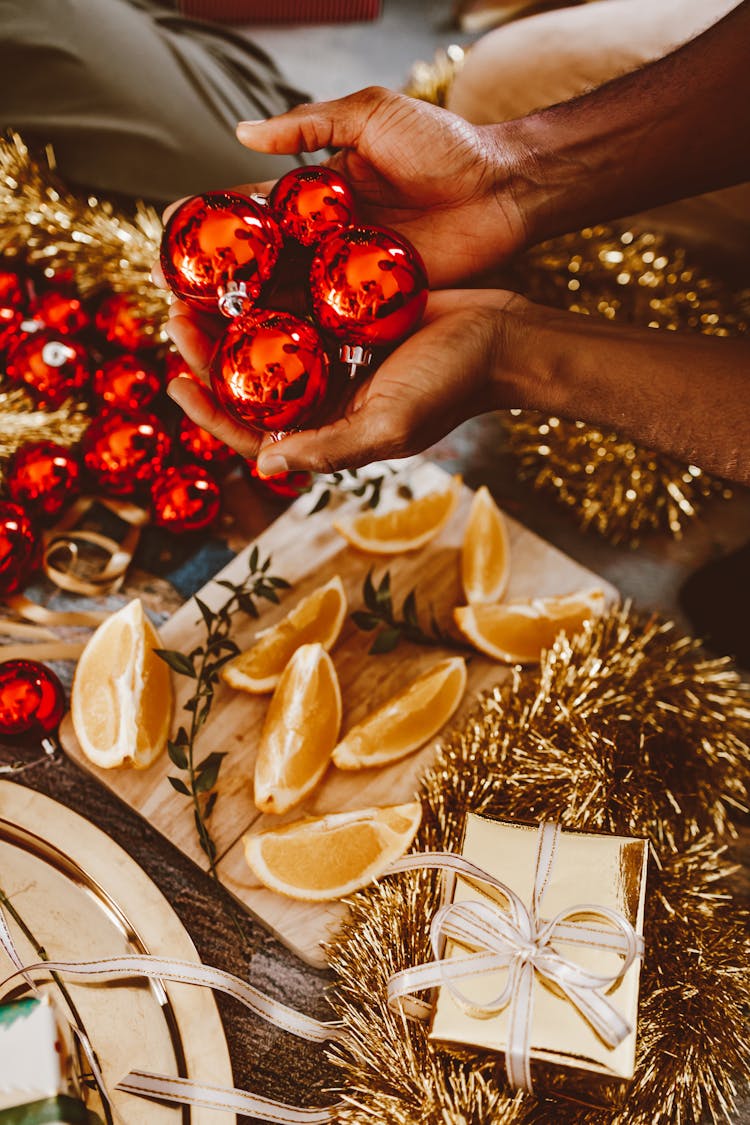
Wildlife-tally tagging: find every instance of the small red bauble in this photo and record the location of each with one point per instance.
(199, 445)
(19, 547)
(32, 700)
(11, 320)
(270, 370)
(127, 382)
(220, 248)
(291, 484)
(120, 321)
(60, 310)
(123, 452)
(311, 203)
(51, 367)
(44, 477)
(13, 290)
(368, 287)
(185, 498)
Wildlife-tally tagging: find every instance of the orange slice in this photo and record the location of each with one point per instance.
(407, 720)
(121, 700)
(327, 857)
(318, 618)
(300, 730)
(402, 529)
(485, 551)
(518, 632)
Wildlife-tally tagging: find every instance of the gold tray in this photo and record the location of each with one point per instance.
(83, 898)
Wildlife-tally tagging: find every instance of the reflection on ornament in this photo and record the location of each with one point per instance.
(120, 320)
(291, 484)
(52, 368)
(185, 498)
(123, 452)
(19, 548)
(32, 700)
(127, 382)
(368, 287)
(270, 371)
(199, 445)
(60, 310)
(220, 247)
(11, 320)
(311, 203)
(44, 477)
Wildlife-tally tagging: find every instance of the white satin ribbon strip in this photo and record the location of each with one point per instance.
(185, 1092)
(516, 939)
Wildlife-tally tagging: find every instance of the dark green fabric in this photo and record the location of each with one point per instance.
(135, 99)
(61, 1110)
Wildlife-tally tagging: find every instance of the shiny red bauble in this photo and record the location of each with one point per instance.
(185, 498)
(311, 203)
(14, 291)
(270, 370)
(51, 367)
(61, 310)
(291, 484)
(368, 286)
(220, 248)
(11, 320)
(44, 477)
(198, 444)
(127, 382)
(19, 548)
(125, 452)
(120, 321)
(32, 700)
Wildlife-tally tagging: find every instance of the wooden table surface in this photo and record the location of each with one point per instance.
(270, 1062)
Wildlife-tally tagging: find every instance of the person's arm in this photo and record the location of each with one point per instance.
(481, 350)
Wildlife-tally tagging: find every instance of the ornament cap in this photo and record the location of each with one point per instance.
(234, 298)
(354, 356)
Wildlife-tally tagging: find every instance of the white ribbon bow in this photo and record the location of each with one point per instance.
(518, 940)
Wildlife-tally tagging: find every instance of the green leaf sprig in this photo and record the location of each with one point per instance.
(369, 488)
(380, 614)
(203, 665)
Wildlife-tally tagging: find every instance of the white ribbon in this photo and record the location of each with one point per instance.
(516, 939)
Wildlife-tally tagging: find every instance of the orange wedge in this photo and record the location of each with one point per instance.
(407, 720)
(121, 700)
(327, 857)
(485, 551)
(315, 619)
(402, 529)
(518, 632)
(300, 730)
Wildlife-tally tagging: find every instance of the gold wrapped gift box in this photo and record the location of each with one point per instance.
(567, 1057)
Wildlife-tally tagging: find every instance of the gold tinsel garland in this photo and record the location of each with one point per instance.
(627, 728)
(53, 228)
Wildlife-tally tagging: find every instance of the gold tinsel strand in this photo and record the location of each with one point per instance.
(53, 228)
(626, 728)
(20, 422)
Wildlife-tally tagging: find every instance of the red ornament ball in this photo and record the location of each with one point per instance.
(127, 382)
(14, 291)
(198, 444)
(11, 321)
(124, 452)
(32, 700)
(270, 370)
(51, 367)
(120, 321)
(216, 244)
(19, 547)
(291, 484)
(311, 203)
(368, 286)
(185, 498)
(60, 310)
(176, 366)
(44, 477)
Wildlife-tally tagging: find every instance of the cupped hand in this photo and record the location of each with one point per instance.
(457, 365)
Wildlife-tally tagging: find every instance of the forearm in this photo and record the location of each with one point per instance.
(673, 129)
(685, 395)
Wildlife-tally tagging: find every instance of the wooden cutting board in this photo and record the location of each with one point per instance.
(307, 551)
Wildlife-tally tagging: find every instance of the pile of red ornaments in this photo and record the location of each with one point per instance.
(359, 288)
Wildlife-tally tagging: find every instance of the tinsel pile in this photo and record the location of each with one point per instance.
(627, 729)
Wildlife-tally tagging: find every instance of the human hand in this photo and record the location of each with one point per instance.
(458, 364)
